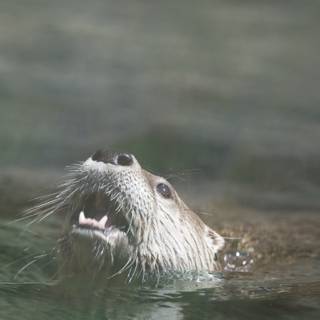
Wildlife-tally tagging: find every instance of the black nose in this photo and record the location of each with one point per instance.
(124, 159)
(121, 159)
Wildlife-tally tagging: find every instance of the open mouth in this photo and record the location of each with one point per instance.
(98, 214)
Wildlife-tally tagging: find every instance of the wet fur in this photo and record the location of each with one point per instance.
(164, 235)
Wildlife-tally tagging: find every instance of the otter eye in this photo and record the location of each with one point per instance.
(164, 190)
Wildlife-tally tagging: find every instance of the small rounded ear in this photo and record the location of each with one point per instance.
(216, 240)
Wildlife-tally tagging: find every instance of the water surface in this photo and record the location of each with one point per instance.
(285, 286)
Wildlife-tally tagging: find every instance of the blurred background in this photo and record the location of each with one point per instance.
(221, 97)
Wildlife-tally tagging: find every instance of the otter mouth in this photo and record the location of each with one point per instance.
(99, 215)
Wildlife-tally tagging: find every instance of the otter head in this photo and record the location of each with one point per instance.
(123, 219)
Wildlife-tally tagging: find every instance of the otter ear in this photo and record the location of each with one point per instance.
(215, 239)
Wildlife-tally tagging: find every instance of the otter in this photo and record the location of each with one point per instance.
(124, 220)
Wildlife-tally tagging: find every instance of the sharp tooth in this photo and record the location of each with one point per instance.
(82, 217)
(103, 221)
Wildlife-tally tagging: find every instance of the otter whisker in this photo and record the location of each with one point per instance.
(132, 272)
(126, 266)
(36, 259)
(16, 261)
(23, 218)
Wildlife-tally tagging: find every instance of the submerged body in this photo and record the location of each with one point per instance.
(123, 220)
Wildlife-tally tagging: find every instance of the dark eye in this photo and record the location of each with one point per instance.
(164, 190)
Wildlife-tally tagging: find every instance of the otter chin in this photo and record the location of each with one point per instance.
(123, 220)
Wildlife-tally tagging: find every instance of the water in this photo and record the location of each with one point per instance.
(227, 88)
(287, 286)
(267, 301)
(221, 97)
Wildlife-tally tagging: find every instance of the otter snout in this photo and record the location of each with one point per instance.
(121, 159)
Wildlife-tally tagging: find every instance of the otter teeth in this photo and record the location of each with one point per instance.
(103, 221)
(92, 222)
(82, 218)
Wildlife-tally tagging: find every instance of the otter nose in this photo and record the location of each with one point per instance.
(124, 159)
(121, 159)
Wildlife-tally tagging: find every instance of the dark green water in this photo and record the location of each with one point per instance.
(221, 97)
